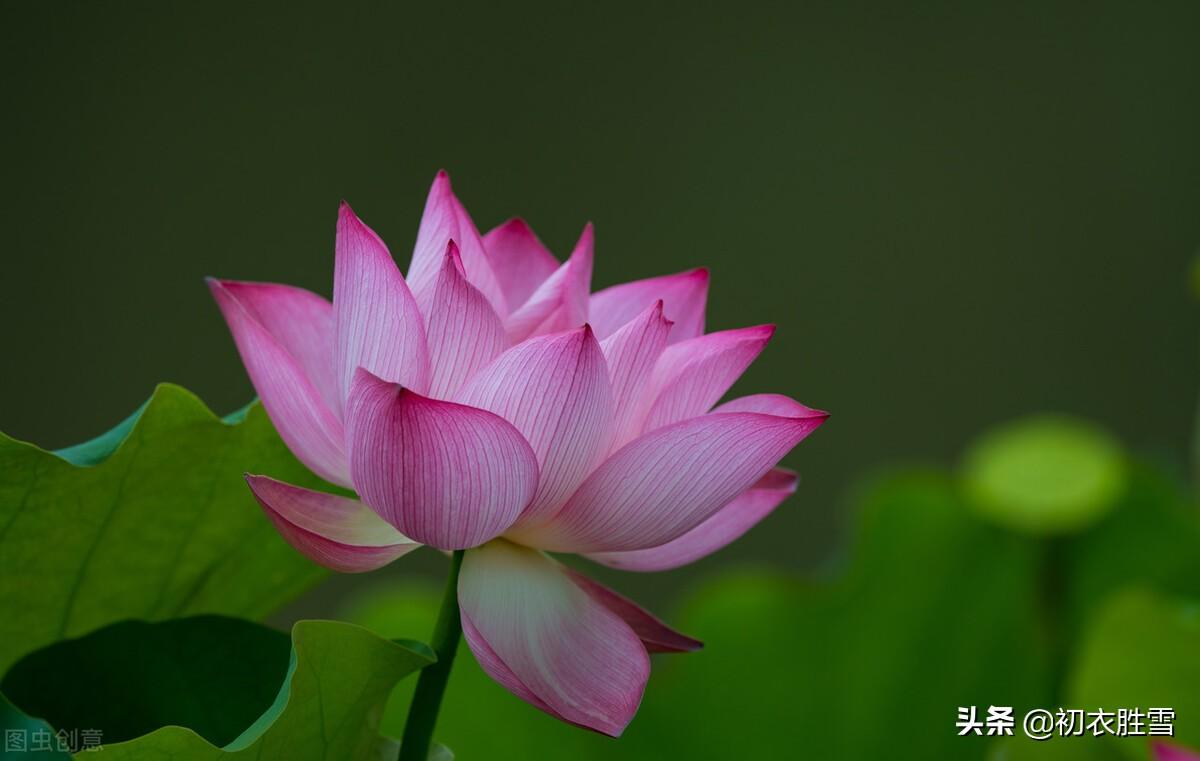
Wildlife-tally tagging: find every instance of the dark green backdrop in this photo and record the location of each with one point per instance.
(956, 213)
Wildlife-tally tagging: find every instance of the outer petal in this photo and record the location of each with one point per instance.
(305, 423)
(519, 260)
(692, 375)
(561, 301)
(445, 219)
(768, 404)
(463, 330)
(498, 670)
(548, 641)
(377, 322)
(722, 528)
(444, 474)
(656, 636)
(301, 322)
(684, 295)
(632, 353)
(336, 532)
(555, 390)
(665, 483)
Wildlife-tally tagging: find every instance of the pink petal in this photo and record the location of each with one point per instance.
(656, 636)
(463, 330)
(336, 532)
(445, 474)
(555, 390)
(561, 301)
(665, 483)
(301, 322)
(519, 260)
(548, 641)
(683, 294)
(720, 529)
(768, 404)
(496, 669)
(692, 375)
(377, 322)
(1170, 752)
(446, 219)
(305, 422)
(631, 354)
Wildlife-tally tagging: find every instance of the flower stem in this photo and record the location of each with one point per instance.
(427, 700)
(1053, 601)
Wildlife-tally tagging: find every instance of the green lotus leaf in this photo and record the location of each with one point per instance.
(1143, 652)
(212, 674)
(150, 521)
(28, 738)
(1151, 539)
(1045, 475)
(209, 687)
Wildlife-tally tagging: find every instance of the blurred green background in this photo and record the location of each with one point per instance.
(956, 213)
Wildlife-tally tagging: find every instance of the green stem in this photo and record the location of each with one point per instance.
(427, 700)
(1053, 602)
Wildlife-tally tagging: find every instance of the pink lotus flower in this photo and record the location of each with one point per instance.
(492, 402)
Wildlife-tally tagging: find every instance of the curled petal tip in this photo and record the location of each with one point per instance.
(775, 405)
(362, 374)
(780, 479)
(453, 252)
(816, 420)
(808, 414)
(454, 258)
(586, 335)
(660, 313)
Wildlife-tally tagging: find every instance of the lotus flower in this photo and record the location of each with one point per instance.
(490, 402)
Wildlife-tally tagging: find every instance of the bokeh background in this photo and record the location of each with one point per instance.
(957, 213)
